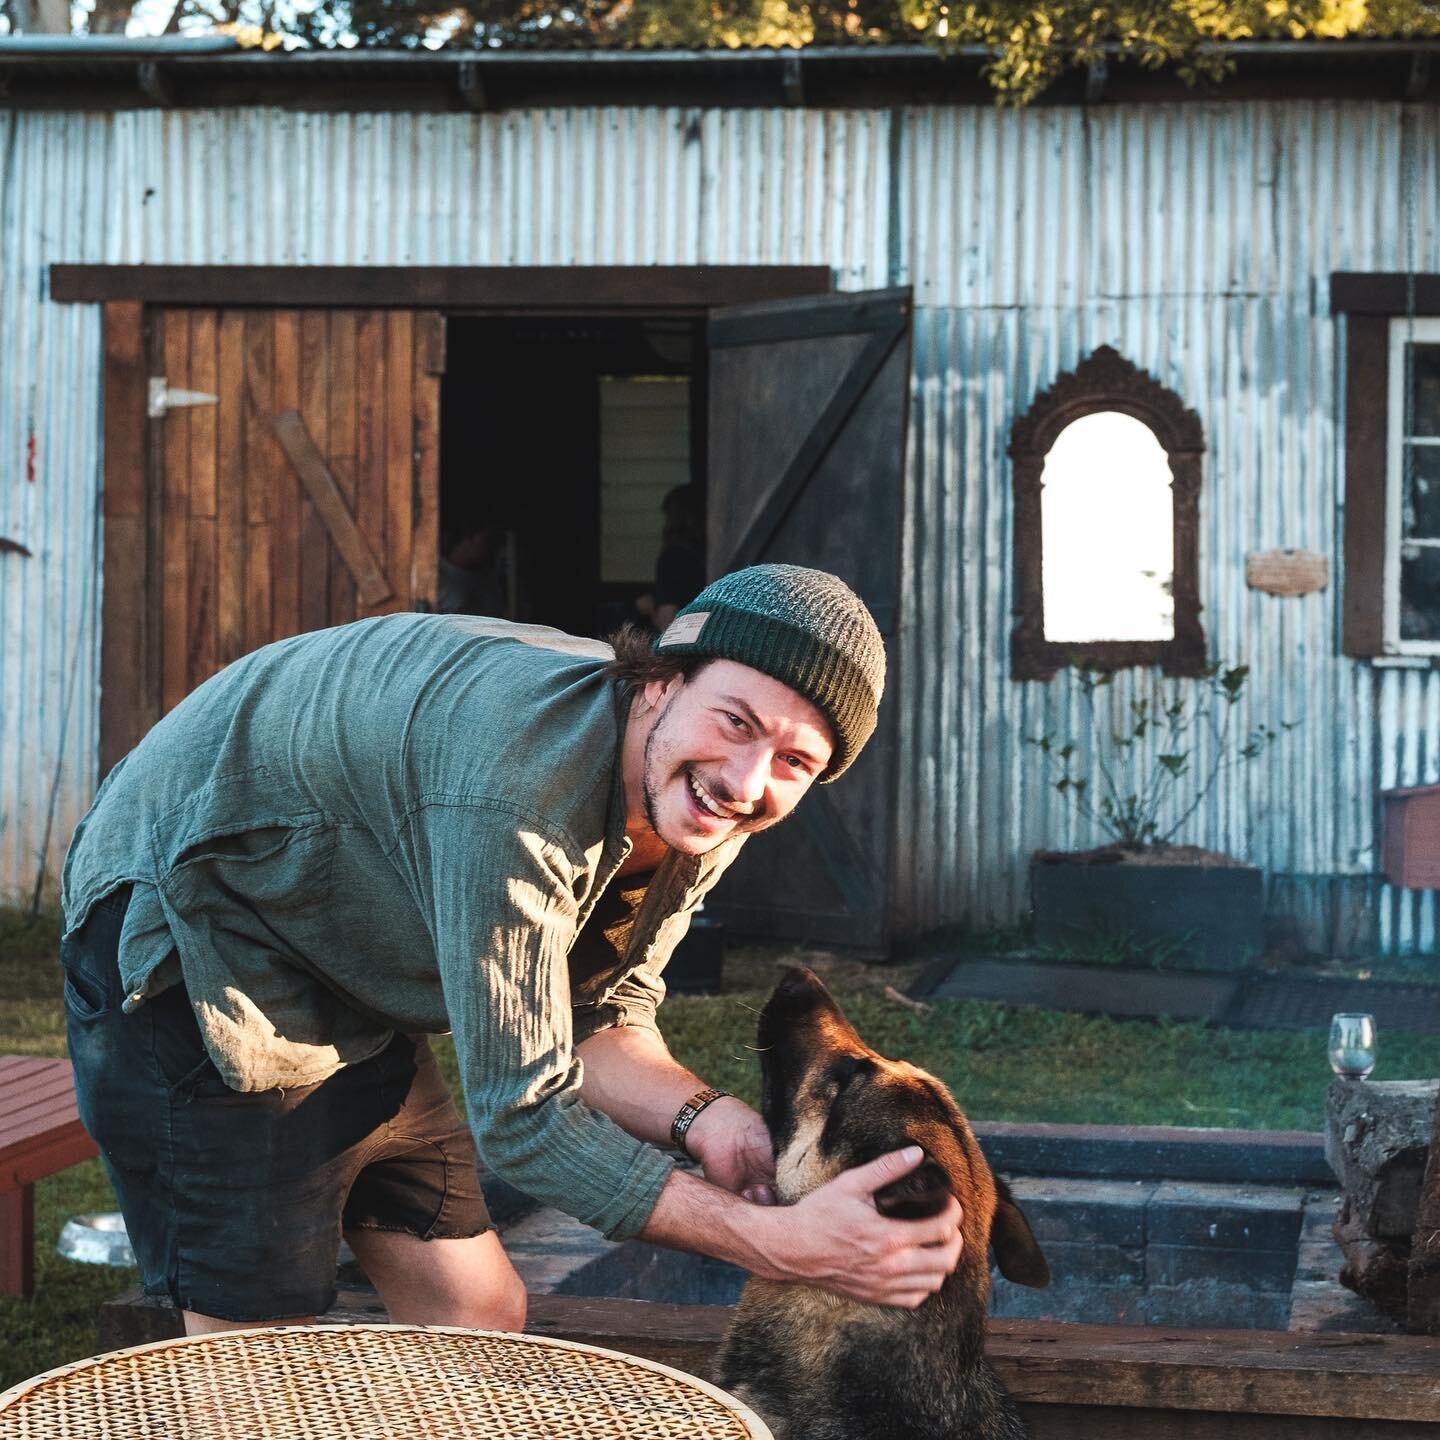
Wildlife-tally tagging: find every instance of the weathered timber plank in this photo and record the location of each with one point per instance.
(232, 602)
(505, 287)
(1383, 1377)
(340, 448)
(1105, 1422)
(285, 493)
(370, 442)
(314, 412)
(320, 487)
(201, 603)
(399, 452)
(175, 447)
(264, 482)
(425, 538)
(124, 612)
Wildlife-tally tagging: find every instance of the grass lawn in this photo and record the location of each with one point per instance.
(1003, 1064)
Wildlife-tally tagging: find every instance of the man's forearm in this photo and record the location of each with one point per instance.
(692, 1214)
(631, 1077)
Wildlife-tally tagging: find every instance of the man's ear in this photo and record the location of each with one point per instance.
(655, 693)
(916, 1196)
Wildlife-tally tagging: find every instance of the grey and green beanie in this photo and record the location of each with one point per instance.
(805, 628)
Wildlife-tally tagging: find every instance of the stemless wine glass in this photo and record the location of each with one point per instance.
(1352, 1045)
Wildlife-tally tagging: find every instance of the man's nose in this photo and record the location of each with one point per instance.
(745, 775)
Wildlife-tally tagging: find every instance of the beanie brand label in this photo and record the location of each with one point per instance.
(684, 629)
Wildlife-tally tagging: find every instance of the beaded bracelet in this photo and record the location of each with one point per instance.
(687, 1113)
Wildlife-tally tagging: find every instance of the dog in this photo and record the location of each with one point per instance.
(817, 1366)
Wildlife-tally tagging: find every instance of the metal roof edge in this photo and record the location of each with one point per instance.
(208, 71)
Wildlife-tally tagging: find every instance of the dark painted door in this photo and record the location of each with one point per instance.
(808, 402)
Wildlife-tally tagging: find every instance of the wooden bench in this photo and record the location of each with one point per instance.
(40, 1133)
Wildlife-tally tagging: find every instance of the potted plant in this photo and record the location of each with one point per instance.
(1173, 904)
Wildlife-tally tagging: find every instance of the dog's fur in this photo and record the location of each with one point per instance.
(820, 1367)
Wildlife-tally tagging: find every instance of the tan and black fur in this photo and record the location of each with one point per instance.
(820, 1367)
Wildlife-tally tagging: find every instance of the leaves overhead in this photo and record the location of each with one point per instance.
(1031, 45)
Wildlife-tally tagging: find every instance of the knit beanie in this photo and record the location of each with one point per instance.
(805, 628)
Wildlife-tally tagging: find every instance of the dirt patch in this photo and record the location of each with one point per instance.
(1189, 855)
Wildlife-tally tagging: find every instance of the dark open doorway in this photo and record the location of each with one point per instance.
(560, 439)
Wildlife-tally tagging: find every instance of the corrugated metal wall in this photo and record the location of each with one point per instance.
(1197, 239)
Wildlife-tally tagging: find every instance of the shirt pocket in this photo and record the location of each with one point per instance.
(279, 866)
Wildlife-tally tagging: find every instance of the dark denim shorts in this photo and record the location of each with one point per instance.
(235, 1202)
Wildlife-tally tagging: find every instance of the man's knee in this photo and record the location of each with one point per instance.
(509, 1308)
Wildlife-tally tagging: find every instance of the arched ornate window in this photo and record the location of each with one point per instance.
(1106, 468)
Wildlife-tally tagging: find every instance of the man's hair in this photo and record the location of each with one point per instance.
(636, 662)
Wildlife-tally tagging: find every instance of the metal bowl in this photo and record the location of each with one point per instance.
(96, 1240)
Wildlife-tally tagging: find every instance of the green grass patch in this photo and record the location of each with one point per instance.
(1003, 1064)
(1042, 1065)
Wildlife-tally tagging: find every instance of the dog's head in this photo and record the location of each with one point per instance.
(831, 1103)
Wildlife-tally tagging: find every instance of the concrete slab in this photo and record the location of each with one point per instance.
(1239, 1002)
(1089, 989)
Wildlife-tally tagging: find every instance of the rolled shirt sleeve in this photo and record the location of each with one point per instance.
(498, 889)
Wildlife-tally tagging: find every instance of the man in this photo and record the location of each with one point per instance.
(354, 838)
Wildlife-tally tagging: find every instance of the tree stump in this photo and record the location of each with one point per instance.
(1423, 1317)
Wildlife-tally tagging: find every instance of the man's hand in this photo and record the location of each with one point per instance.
(834, 1238)
(730, 1141)
(838, 1240)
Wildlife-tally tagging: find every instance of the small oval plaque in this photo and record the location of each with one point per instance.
(1287, 572)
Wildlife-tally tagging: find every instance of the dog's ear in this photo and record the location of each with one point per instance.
(916, 1196)
(1016, 1251)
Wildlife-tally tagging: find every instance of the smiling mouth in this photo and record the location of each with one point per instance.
(708, 805)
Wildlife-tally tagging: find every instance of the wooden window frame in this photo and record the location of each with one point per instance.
(1426, 329)
(1370, 305)
(1105, 380)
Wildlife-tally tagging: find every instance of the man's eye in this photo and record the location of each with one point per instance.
(735, 720)
(794, 762)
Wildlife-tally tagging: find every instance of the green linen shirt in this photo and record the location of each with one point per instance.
(401, 824)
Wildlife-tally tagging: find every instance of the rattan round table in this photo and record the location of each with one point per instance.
(371, 1382)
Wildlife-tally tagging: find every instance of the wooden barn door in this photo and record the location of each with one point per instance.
(808, 402)
(291, 483)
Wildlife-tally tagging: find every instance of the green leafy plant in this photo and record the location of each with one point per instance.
(1129, 799)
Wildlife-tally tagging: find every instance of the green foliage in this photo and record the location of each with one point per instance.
(1031, 45)
(1130, 800)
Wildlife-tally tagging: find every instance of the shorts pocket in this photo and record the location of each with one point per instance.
(85, 997)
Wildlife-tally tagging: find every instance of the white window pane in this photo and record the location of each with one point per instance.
(1425, 390)
(644, 453)
(1107, 533)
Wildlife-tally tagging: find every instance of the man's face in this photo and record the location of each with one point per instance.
(731, 752)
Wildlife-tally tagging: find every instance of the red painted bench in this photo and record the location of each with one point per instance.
(40, 1133)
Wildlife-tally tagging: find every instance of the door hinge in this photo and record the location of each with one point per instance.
(163, 399)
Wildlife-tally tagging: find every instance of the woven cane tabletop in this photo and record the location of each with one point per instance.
(371, 1382)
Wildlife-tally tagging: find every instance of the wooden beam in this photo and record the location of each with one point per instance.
(642, 288)
(1095, 1368)
(309, 464)
(1383, 293)
(127, 708)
